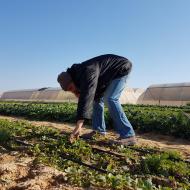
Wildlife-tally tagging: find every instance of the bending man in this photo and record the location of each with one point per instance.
(95, 82)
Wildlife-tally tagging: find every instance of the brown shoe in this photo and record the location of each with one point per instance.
(93, 135)
(130, 141)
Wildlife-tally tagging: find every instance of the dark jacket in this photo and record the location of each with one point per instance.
(93, 76)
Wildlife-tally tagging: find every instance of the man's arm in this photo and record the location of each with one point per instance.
(89, 82)
(87, 93)
(77, 131)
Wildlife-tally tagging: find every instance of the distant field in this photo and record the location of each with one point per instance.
(45, 159)
(161, 119)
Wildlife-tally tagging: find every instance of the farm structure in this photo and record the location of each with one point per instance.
(164, 94)
(177, 94)
(129, 95)
(42, 94)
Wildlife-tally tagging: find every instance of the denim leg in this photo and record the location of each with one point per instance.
(98, 122)
(111, 97)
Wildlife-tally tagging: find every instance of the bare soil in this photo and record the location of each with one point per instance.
(17, 172)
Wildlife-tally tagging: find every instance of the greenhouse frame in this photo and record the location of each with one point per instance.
(177, 94)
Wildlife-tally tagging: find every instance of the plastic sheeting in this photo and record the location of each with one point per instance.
(129, 95)
(166, 94)
(44, 94)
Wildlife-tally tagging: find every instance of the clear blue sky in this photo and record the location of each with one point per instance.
(41, 38)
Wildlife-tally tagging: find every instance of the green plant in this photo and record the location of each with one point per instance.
(161, 119)
(134, 171)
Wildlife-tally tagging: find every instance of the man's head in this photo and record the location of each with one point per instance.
(66, 83)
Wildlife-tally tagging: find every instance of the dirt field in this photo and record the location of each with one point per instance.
(17, 171)
(146, 139)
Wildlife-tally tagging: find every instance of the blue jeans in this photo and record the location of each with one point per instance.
(111, 98)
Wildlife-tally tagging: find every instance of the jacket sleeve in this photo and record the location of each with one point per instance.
(89, 81)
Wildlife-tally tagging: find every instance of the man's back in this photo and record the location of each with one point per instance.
(108, 67)
(106, 62)
(92, 77)
(103, 68)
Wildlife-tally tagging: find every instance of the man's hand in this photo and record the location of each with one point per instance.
(76, 132)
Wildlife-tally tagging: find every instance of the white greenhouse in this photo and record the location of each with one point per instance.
(42, 94)
(163, 94)
(166, 94)
(129, 95)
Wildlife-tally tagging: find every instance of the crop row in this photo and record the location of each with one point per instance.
(164, 120)
(87, 167)
(185, 108)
